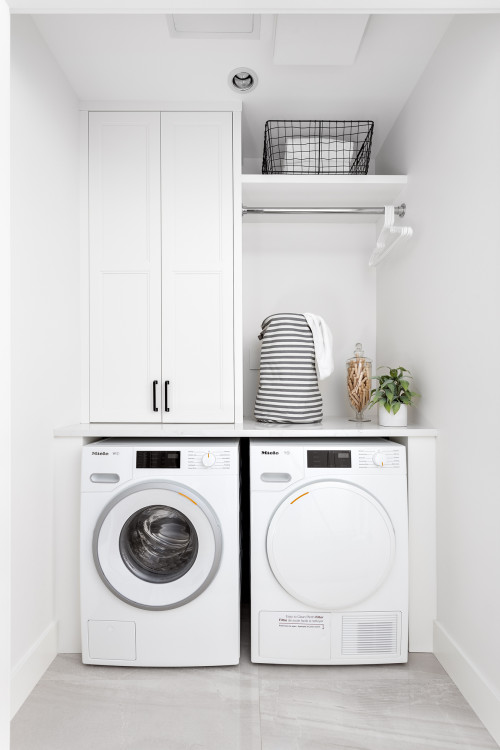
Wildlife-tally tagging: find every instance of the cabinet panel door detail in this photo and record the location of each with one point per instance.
(125, 265)
(197, 241)
(195, 367)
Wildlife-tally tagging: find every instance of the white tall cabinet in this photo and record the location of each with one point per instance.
(161, 267)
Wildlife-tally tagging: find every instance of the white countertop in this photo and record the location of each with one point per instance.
(329, 427)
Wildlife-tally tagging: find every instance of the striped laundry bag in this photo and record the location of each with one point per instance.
(288, 388)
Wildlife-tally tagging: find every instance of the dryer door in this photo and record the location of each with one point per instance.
(330, 544)
(157, 545)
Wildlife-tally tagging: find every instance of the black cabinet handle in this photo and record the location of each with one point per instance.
(167, 383)
(155, 383)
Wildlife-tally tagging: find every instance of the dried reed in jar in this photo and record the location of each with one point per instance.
(359, 375)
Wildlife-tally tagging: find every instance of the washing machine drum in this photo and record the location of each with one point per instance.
(331, 545)
(157, 545)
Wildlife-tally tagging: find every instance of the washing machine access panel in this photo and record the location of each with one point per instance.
(157, 545)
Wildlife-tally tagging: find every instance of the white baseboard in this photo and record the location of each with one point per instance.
(476, 689)
(31, 667)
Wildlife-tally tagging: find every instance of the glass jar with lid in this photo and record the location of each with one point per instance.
(359, 381)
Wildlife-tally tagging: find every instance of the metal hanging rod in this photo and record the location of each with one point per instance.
(374, 210)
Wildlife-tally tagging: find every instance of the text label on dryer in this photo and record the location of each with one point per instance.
(270, 453)
(100, 453)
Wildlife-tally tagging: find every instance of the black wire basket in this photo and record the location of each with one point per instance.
(317, 146)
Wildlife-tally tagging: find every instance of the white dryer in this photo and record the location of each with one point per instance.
(160, 553)
(329, 551)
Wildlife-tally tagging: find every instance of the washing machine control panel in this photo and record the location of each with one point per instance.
(108, 464)
(158, 460)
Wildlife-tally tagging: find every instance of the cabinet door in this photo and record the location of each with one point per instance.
(197, 251)
(125, 266)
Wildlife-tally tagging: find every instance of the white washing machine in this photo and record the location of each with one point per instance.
(329, 551)
(159, 555)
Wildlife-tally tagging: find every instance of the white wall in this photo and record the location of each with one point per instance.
(45, 325)
(5, 462)
(309, 267)
(438, 313)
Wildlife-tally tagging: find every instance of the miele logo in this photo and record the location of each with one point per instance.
(270, 453)
(100, 453)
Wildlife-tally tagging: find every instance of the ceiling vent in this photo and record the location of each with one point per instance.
(332, 39)
(214, 25)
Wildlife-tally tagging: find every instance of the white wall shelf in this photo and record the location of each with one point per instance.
(320, 191)
(329, 427)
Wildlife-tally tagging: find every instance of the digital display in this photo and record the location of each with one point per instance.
(342, 459)
(158, 460)
(328, 459)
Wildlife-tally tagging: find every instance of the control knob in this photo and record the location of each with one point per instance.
(208, 459)
(378, 459)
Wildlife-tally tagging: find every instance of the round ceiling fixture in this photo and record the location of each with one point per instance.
(242, 80)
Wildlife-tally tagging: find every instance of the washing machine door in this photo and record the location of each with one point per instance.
(157, 545)
(330, 544)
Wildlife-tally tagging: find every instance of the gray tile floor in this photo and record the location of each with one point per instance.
(412, 706)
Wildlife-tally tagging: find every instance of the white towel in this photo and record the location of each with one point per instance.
(323, 344)
(311, 154)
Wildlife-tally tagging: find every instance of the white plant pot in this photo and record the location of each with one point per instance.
(387, 419)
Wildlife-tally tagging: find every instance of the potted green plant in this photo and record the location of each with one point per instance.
(393, 396)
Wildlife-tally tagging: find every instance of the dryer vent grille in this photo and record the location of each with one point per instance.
(370, 633)
(391, 459)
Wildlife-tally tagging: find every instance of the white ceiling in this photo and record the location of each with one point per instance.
(134, 57)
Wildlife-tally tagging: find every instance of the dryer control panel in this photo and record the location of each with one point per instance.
(274, 464)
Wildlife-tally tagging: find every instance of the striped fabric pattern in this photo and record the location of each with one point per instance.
(288, 389)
